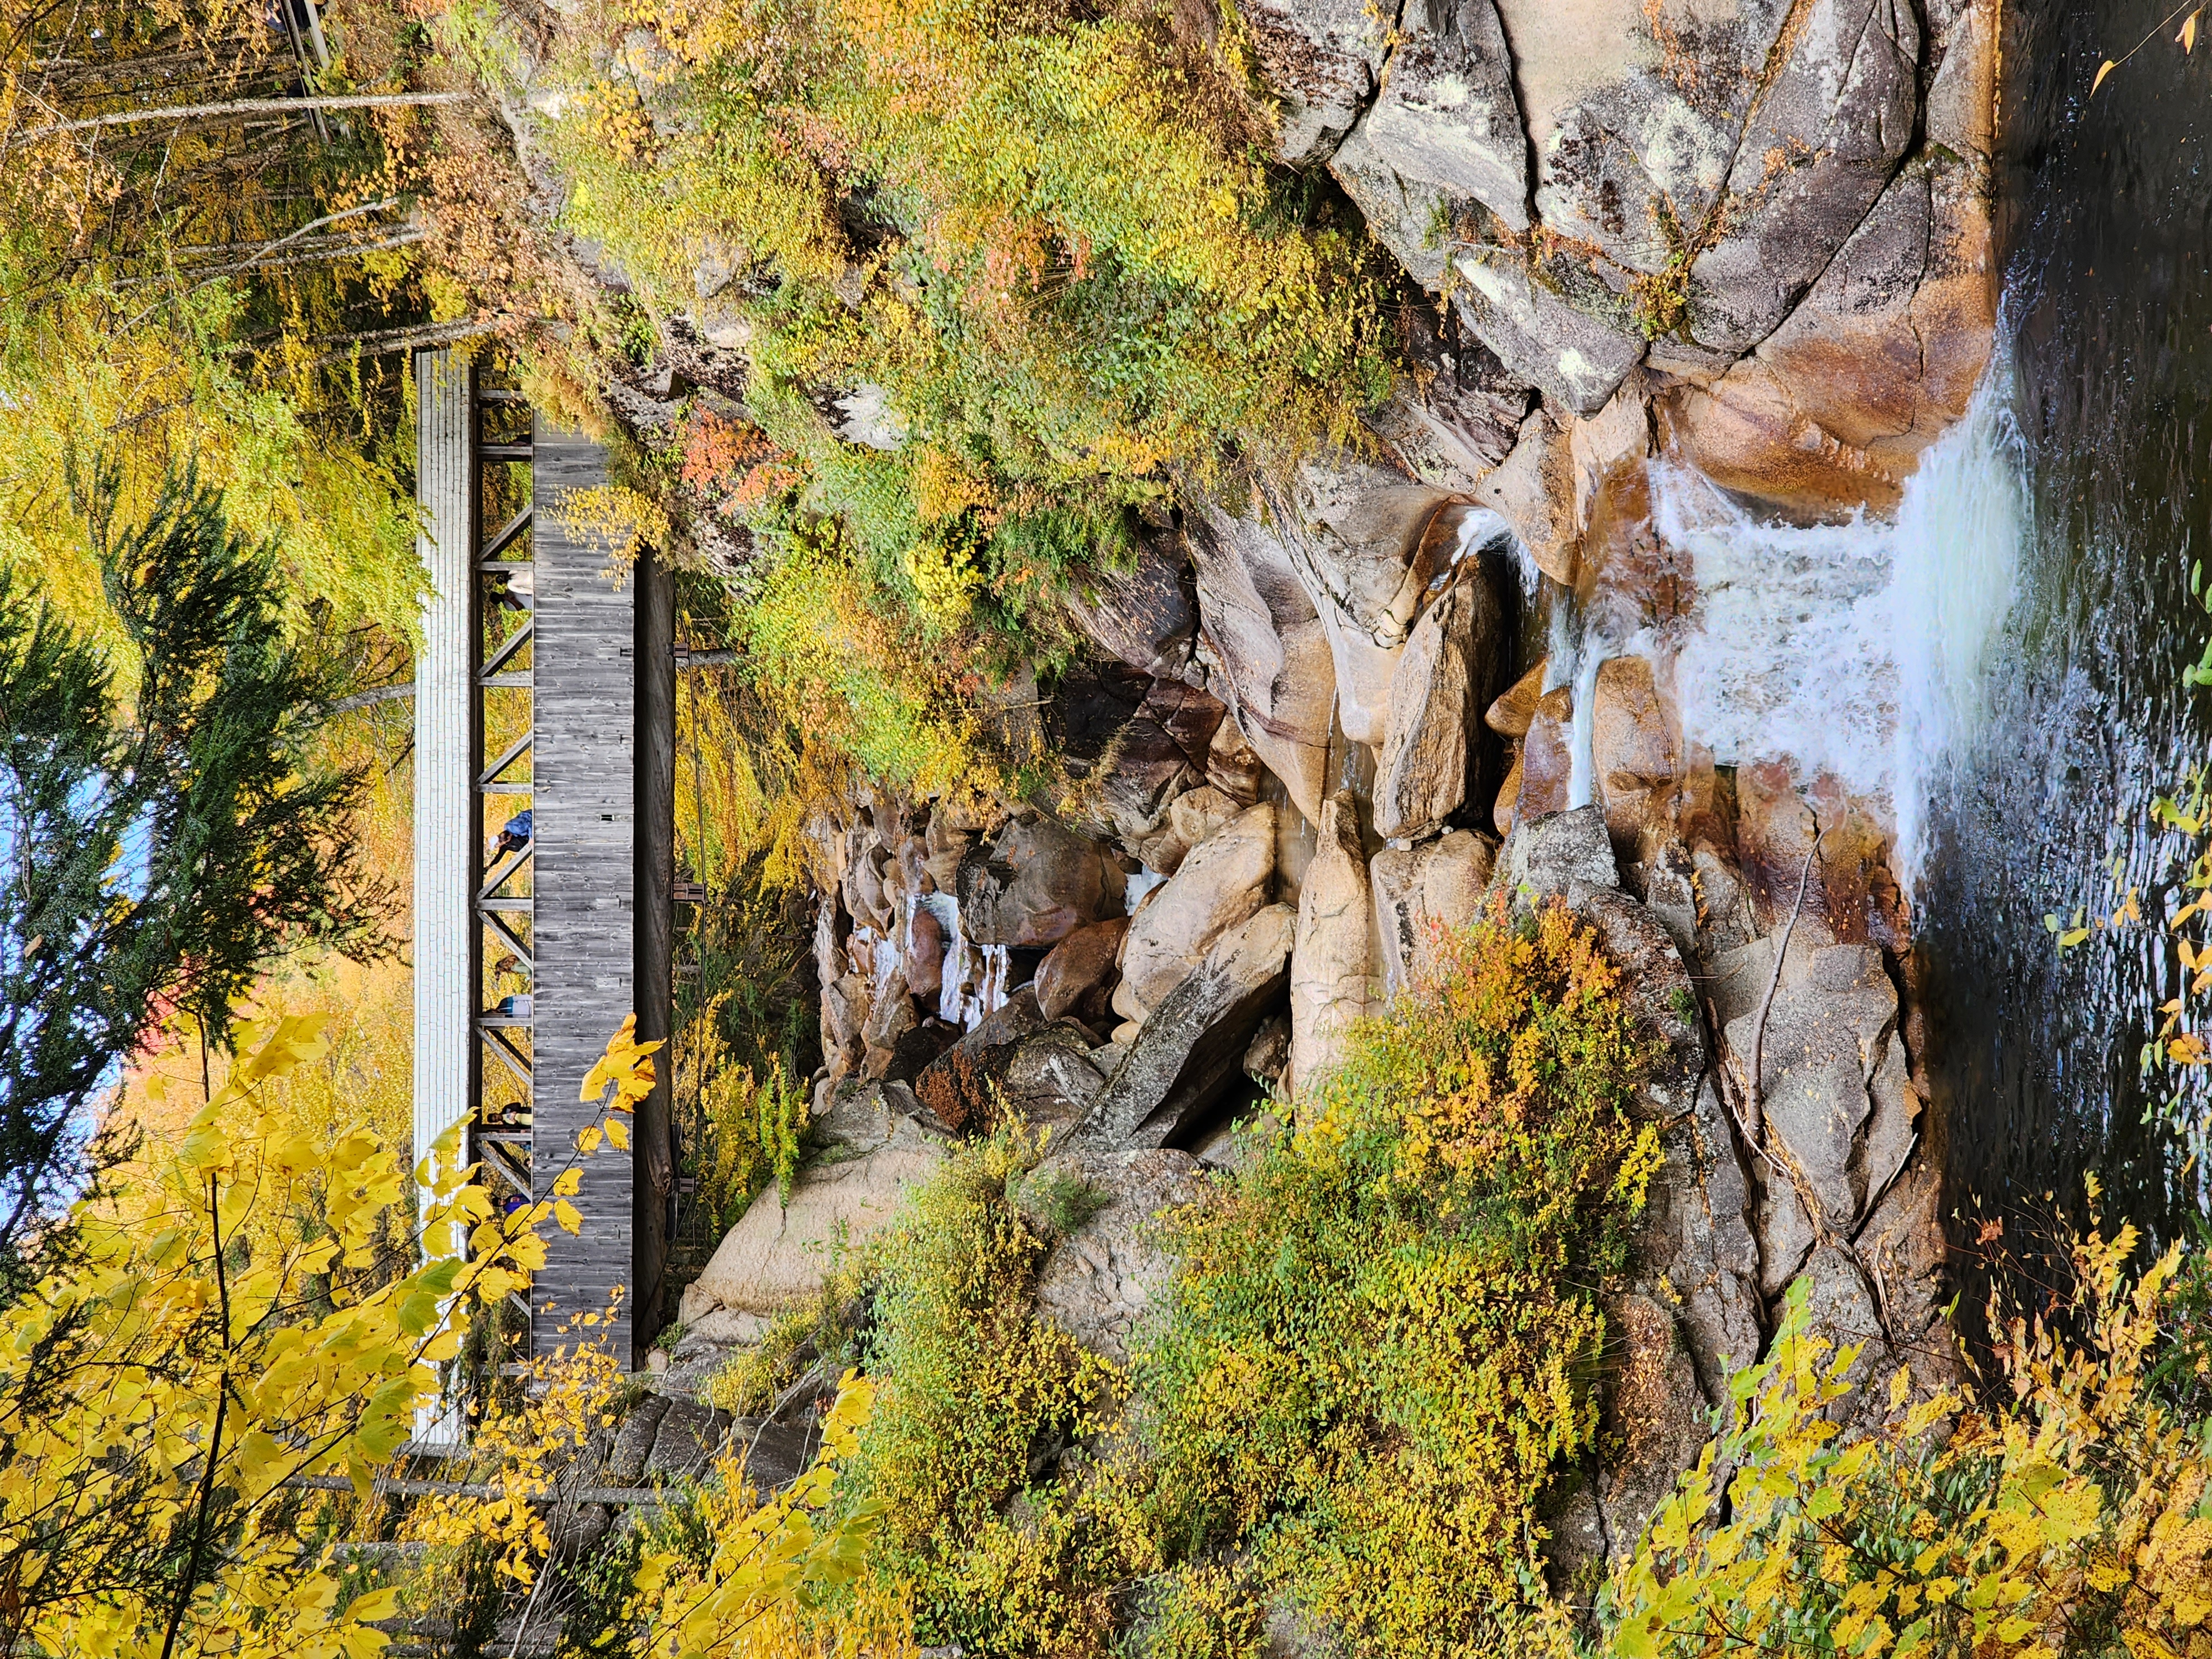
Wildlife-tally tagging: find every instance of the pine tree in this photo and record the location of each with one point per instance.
(158, 857)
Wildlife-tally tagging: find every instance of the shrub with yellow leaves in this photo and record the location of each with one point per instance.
(162, 1383)
(185, 1395)
(761, 1590)
(1381, 1336)
(2069, 1518)
(518, 1453)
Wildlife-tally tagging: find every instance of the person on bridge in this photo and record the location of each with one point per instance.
(514, 837)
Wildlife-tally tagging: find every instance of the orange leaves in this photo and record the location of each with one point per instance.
(714, 448)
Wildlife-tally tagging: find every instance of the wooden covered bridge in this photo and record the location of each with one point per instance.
(545, 685)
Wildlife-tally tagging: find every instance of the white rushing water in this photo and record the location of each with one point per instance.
(1859, 648)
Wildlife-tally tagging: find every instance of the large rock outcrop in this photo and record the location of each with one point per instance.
(1190, 1050)
(1421, 892)
(1433, 747)
(1270, 656)
(774, 1259)
(1591, 185)
(1035, 883)
(1221, 882)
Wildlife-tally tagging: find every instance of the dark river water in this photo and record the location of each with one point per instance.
(2035, 1057)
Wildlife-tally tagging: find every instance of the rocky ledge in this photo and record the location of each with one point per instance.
(1750, 243)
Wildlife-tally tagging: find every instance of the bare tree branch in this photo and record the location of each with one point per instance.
(128, 117)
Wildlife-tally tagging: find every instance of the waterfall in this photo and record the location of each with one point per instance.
(1858, 648)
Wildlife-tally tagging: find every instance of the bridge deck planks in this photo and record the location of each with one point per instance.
(586, 827)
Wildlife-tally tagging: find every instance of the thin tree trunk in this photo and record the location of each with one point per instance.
(129, 118)
(380, 694)
(380, 342)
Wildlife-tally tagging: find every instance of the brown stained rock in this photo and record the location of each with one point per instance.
(1533, 490)
(864, 887)
(1333, 979)
(1145, 616)
(962, 1087)
(1607, 448)
(844, 1009)
(1163, 853)
(1834, 409)
(1142, 770)
(1509, 795)
(1270, 656)
(1655, 1412)
(1268, 1056)
(1197, 815)
(1509, 716)
(1033, 883)
(1364, 547)
(1186, 1054)
(924, 955)
(1222, 882)
(1419, 893)
(1433, 751)
(1850, 889)
(1546, 763)
(1078, 965)
(889, 1019)
(1189, 714)
(946, 846)
(1635, 752)
(1453, 419)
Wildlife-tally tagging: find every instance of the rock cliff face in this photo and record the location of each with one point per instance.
(1745, 237)
(1777, 208)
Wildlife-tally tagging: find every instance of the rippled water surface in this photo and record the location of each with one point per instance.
(2036, 1058)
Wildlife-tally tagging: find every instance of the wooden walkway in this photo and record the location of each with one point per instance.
(581, 658)
(601, 916)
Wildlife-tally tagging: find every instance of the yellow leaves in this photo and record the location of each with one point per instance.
(2187, 39)
(301, 1391)
(618, 1134)
(567, 1183)
(627, 1066)
(2103, 70)
(566, 1214)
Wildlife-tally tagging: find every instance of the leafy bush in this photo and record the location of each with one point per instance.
(1377, 1350)
(2067, 1519)
(746, 1130)
(1014, 1540)
(1041, 242)
(1383, 1335)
